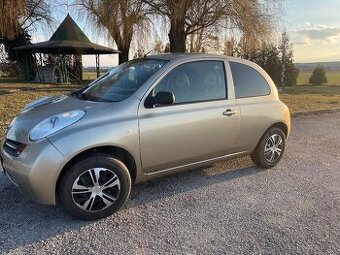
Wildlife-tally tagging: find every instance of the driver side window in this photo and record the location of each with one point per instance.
(195, 82)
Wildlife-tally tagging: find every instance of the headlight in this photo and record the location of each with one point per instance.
(54, 124)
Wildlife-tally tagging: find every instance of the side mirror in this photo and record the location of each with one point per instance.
(161, 98)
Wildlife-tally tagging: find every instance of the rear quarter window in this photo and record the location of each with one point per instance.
(248, 82)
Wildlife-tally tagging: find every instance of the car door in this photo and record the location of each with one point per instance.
(202, 124)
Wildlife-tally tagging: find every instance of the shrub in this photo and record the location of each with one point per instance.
(318, 76)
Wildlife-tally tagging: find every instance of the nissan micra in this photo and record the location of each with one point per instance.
(146, 118)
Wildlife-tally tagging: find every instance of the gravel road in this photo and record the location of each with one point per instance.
(228, 208)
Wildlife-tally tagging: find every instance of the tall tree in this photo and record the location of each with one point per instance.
(265, 54)
(289, 71)
(186, 17)
(120, 18)
(18, 16)
(17, 19)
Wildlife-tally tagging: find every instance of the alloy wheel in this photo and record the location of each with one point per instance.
(96, 189)
(273, 148)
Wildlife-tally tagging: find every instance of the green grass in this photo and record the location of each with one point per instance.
(333, 78)
(306, 97)
(14, 96)
(311, 98)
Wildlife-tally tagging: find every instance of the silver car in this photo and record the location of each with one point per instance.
(147, 118)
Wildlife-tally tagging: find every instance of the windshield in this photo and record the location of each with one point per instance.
(122, 81)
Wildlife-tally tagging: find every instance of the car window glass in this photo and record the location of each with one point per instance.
(195, 81)
(248, 82)
(124, 80)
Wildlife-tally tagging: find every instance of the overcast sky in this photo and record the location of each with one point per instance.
(313, 26)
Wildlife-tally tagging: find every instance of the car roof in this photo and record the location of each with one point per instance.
(180, 56)
(172, 56)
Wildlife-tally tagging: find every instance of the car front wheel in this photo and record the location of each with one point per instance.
(270, 148)
(95, 187)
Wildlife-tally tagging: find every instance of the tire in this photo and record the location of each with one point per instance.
(95, 187)
(270, 148)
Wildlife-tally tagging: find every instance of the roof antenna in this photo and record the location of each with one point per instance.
(147, 53)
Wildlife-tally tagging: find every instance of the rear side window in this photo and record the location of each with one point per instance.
(248, 82)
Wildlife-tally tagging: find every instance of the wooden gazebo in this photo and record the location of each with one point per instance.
(68, 39)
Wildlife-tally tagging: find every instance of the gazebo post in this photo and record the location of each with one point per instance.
(97, 65)
(41, 64)
(38, 64)
(25, 65)
(67, 78)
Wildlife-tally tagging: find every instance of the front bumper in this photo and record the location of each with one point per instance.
(35, 171)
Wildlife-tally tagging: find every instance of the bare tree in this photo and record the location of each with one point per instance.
(187, 17)
(17, 19)
(17, 16)
(230, 47)
(120, 17)
(202, 39)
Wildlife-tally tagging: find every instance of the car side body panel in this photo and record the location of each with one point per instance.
(257, 115)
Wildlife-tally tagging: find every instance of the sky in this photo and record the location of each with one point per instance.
(312, 25)
(314, 29)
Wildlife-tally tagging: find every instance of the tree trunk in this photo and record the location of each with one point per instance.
(124, 56)
(177, 35)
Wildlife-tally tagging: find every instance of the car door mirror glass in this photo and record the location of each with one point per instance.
(161, 98)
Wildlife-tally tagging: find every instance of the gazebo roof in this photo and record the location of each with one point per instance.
(68, 39)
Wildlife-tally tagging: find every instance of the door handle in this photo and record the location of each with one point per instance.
(229, 112)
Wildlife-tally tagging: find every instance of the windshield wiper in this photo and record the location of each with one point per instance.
(88, 97)
(78, 93)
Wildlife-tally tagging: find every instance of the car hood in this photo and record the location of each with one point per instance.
(38, 110)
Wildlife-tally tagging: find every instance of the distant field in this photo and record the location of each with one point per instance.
(89, 75)
(333, 78)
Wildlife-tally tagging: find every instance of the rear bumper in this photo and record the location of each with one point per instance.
(35, 171)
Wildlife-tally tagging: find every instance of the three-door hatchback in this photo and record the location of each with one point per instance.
(146, 118)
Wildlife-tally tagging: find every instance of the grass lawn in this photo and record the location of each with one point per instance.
(15, 95)
(311, 98)
(332, 77)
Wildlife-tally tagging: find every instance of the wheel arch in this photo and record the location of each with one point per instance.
(114, 151)
(281, 125)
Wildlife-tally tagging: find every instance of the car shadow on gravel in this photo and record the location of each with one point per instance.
(190, 180)
(23, 222)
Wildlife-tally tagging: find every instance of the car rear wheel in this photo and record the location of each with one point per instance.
(95, 187)
(270, 148)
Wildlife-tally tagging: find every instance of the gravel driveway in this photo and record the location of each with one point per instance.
(229, 208)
